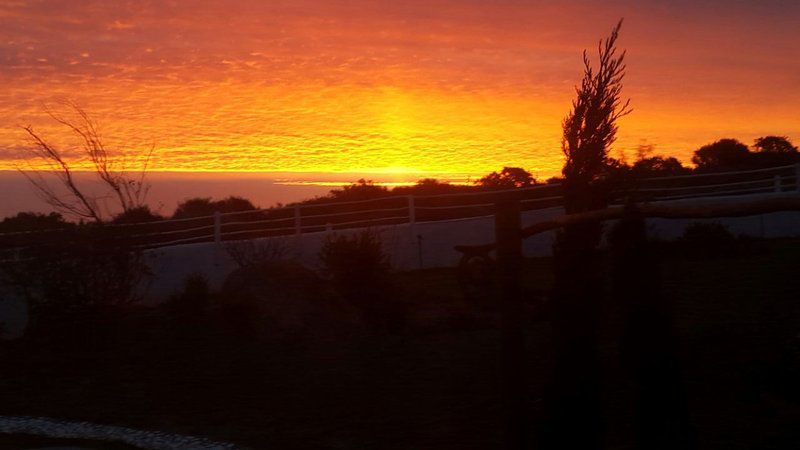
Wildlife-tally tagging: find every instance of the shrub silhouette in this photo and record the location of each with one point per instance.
(658, 166)
(75, 286)
(356, 263)
(192, 302)
(476, 276)
(430, 186)
(255, 253)
(239, 315)
(508, 178)
(205, 206)
(87, 267)
(708, 240)
(360, 190)
(30, 221)
(277, 297)
(138, 214)
(359, 269)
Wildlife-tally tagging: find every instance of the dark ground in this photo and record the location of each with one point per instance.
(326, 381)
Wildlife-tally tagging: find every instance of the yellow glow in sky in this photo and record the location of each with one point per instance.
(443, 87)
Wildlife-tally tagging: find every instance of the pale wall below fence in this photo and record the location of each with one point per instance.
(435, 240)
(172, 265)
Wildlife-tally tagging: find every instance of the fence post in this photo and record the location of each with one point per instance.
(797, 176)
(776, 181)
(509, 260)
(298, 230)
(412, 212)
(298, 226)
(217, 227)
(415, 240)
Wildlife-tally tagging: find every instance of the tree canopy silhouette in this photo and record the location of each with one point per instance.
(139, 214)
(724, 153)
(29, 221)
(508, 178)
(774, 144)
(360, 190)
(659, 166)
(429, 186)
(205, 206)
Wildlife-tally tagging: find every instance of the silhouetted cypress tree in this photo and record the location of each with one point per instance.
(589, 130)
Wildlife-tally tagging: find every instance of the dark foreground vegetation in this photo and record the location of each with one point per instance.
(284, 358)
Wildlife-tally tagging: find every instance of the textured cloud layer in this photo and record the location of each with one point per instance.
(459, 86)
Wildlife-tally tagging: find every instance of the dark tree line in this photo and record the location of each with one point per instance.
(722, 155)
(767, 151)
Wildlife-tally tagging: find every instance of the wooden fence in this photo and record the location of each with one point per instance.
(389, 210)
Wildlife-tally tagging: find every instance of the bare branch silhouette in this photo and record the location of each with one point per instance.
(129, 191)
(81, 205)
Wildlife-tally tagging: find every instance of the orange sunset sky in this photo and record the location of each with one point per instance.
(448, 88)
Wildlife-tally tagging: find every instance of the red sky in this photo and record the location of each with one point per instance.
(452, 88)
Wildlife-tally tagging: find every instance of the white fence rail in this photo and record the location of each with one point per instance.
(409, 209)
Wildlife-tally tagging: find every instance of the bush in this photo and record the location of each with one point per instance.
(658, 166)
(192, 302)
(508, 178)
(254, 253)
(355, 261)
(84, 274)
(47, 227)
(278, 297)
(240, 316)
(708, 239)
(205, 206)
(31, 221)
(476, 276)
(359, 270)
(140, 214)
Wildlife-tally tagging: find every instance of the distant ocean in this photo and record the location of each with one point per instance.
(169, 188)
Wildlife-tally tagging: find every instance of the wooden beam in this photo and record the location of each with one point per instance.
(705, 210)
(665, 211)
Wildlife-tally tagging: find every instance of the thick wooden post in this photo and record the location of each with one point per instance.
(419, 251)
(414, 239)
(217, 227)
(797, 176)
(298, 225)
(509, 261)
(412, 211)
